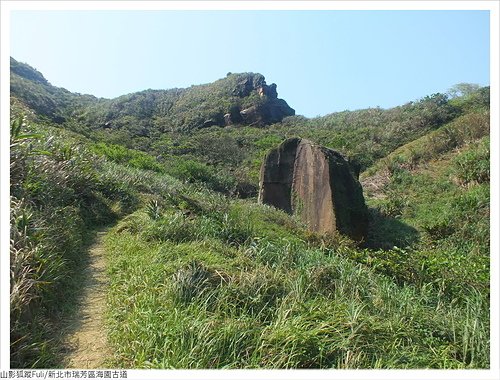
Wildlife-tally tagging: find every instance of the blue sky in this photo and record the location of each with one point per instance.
(322, 61)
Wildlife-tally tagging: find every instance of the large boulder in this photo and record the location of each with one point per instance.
(316, 183)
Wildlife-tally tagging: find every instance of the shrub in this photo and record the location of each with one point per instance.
(131, 157)
(394, 205)
(223, 150)
(194, 171)
(473, 165)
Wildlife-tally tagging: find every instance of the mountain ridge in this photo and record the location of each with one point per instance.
(243, 98)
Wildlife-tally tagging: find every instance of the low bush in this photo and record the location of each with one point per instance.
(394, 205)
(196, 172)
(473, 165)
(131, 157)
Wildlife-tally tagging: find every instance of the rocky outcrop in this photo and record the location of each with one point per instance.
(316, 183)
(267, 109)
(269, 112)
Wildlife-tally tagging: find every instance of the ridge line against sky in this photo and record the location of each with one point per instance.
(321, 61)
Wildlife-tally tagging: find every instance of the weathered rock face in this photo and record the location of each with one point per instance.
(316, 183)
(269, 109)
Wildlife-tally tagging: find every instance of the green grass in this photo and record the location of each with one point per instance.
(60, 193)
(432, 203)
(201, 279)
(233, 284)
(195, 294)
(210, 314)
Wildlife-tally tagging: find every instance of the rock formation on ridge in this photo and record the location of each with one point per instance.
(267, 108)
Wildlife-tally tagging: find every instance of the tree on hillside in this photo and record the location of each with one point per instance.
(463, 89)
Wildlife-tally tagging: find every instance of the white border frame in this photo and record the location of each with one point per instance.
(493, 6)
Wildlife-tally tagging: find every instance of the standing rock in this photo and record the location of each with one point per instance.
(316, 183)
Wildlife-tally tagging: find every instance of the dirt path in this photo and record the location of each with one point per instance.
(87, 340)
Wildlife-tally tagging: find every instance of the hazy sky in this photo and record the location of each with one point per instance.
(322, 61)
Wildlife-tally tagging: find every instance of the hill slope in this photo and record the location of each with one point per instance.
(200, 278)
(237, 99)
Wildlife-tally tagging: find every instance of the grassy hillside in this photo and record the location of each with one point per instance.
(221, 284)
(136, 119)
(250, 288)
(201, 276)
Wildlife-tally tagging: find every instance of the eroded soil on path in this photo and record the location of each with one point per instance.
(86, 341)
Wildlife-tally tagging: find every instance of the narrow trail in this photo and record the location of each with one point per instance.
(87, 336)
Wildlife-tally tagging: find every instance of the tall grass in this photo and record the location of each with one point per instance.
(200, 280)
(58, 196)
(201, 300)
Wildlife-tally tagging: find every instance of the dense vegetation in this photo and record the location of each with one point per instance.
(201, 277)
(136, 119)
(59, 194)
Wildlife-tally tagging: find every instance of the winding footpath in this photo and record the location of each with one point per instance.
(87, 339)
